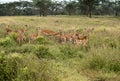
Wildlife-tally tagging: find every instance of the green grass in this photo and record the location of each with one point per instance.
(47, 60)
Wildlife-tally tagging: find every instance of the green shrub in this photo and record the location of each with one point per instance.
(69, 51)
(7, 41)
(102, 59)
(2, 66)
(80, 30)
(97, 63)
(17, 67)
(36, 69)
(13, 66)
(9, 67)
(26, 48)
(13, 36)
(109, 42)
(41, 40)
(42, 52)
(113, 64)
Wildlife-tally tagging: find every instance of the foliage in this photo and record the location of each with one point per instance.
(51, 7)
(42, 52)
(15, 67)
(41, 40)
(70, 51)
(6, 42)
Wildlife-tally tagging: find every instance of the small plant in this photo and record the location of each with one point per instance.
(42, 52)
(13, 36)
(41, 40)
(69, 51)
(110, 42)
(97, 63)
(26, 48)
(7, 41)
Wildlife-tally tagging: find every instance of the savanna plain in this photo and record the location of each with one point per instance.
(45, 59)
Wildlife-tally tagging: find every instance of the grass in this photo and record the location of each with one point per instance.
(47, 60)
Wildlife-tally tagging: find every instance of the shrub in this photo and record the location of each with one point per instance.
(7, 41)
(16, 67)
(41, 40)
(13, 66)
(13, 36)
(36, 69)
(42, 52)
(69, 51)
(97, 63)
(105, 60)
(9, 67)
(2, 66)
(26, 48)
(110, 42)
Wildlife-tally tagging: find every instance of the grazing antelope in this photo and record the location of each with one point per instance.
(62, 38)
(82, 39)
(8, 30)
(23, 30)
(32, 36)
(21, 37)
(47, 32)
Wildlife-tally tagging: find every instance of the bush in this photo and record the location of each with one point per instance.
(16, 67)
(2, 66)
(26, 48)
(69, 51)
(36, 69)
(7, 41)
(97, 63)
(41, 40)
(13, 36)
(110, 42)
(42, 52)
(103, 60)
(9, 67)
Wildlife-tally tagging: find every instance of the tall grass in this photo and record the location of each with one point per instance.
(47, 60)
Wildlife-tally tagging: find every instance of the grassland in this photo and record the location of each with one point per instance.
(50, 61)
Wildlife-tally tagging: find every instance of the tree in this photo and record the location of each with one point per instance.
(117, 7)
(55, 8)
(71, 7)
(43, 6)
(88, 6)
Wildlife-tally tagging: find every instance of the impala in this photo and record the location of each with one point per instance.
(82, 39)
(47, 32)
(8, 30)
(21, 37)
(32, 36)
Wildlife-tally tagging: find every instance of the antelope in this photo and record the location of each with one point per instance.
(61, 37)
(8, 30)
(47, 32)
(32, 36)
(21, 37)
(23, 30)
(82, 39)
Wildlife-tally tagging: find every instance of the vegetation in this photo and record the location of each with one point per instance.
(44, 59)
(71, 7)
